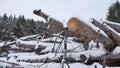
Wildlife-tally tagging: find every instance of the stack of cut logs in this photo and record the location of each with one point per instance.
(78, 28)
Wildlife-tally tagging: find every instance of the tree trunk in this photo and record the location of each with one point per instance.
(55, 26)
(40, 13)
(110, 33)
(116, 27)
(79, 27)
(110, 60)
(30, 46)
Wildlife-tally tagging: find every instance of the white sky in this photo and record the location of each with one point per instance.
(60, 9)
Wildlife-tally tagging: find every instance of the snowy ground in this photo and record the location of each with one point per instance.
(75, 50)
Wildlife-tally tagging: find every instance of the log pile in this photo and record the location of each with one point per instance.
(112, 35)
(78, 28)
(75, 28)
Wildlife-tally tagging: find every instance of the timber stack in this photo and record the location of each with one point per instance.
(79, 29)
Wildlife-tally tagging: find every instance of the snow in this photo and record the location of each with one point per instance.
(30, 36)
(27, 42)
(113, 30)
(35, 57)
(75, 49)
(116, 50)
(92, 45)
(2, 43)
(112, 22)
(51, 39)
(4, 65)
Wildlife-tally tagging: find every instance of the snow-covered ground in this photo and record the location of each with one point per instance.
(21, 59)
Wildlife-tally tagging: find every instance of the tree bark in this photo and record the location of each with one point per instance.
(79, 27)
(55, 26)
(110, 60)
(40, 13)
(19, 44)
(114, 26)
(110, 33)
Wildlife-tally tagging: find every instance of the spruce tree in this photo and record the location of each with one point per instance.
(114, 12)
(5, 17)
(12, 26)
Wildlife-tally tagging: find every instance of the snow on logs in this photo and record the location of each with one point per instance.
(111, 34)
(110, 60)
(115, 26)
(54, 25)
(79, 27)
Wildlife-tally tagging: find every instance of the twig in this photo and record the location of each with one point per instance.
(56, 40)
(58, 48)
(65, 48)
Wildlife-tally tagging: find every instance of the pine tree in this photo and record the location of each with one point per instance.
(5, 17)
(114, 12)
(19, 26)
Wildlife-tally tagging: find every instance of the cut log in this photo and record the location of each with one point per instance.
(110, 33)
(110, 60)
(36, 48)
(48, 59)
(116, 27)
(39, 13)
(90, 60)
(68, 59)
(23, 45)
(79, 27)
(29, 46)
(55, 26)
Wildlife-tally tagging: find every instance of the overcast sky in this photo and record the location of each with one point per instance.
(60, 9)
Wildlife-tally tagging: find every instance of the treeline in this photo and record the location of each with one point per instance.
(12, 26)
